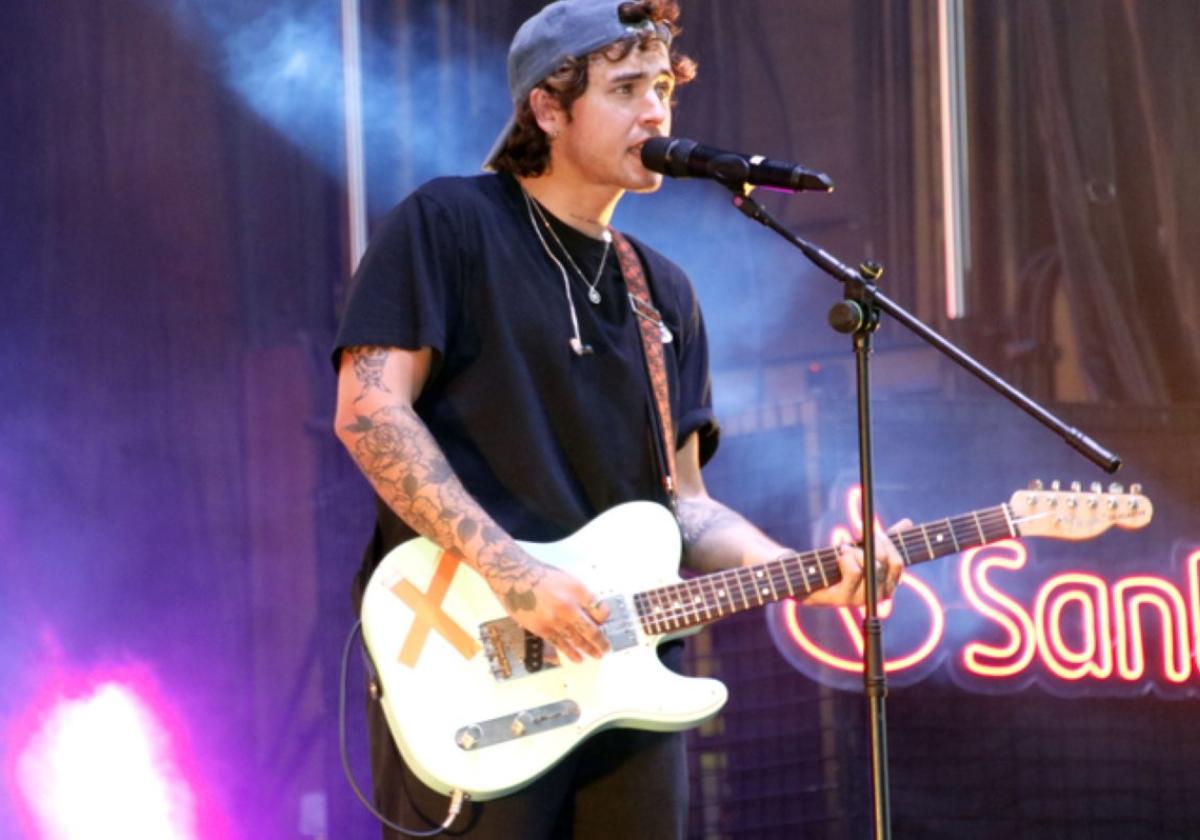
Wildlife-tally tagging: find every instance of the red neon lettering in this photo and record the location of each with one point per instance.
(1091, 594)
(851, 619)
(1129, 597)
(1193, 575)
(1015, 655)
(937, 627)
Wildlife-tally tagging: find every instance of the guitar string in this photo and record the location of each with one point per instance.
(685, 603)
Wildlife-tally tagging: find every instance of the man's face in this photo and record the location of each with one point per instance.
(626, 103)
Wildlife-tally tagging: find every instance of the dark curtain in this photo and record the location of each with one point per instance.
(171, 259)
(168, 267)
(1118, 118)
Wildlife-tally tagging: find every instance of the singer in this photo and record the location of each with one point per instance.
(496, 384)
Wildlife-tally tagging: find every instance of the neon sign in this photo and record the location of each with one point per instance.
(994, 629)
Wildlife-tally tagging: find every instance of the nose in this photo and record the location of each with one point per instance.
(656, 111)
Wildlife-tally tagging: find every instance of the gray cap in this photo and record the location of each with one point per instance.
(563, 30)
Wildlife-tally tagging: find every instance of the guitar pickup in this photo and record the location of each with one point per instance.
(486, 733)
(513, 653)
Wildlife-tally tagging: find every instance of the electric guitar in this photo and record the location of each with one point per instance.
(477, 704)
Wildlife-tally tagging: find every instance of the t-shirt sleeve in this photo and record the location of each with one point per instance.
(695, 381)
(403, 290)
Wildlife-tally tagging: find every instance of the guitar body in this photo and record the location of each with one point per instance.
(478, 705)
(475, 705)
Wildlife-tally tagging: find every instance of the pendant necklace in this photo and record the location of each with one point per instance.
(593, 293)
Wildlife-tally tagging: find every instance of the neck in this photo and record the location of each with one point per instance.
(588, 209)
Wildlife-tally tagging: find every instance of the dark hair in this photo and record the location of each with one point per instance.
(526, 150)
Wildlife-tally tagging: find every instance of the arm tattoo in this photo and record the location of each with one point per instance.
(699, 518)
(399, 456)
(368, 368)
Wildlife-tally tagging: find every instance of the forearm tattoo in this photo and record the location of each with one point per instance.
(399, 456)
(699, 518)
(368, 369)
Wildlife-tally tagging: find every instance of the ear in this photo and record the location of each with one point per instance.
(546, 111)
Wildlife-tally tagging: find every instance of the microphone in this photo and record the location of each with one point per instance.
(682, 158)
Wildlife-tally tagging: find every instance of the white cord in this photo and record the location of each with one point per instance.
(577, 342)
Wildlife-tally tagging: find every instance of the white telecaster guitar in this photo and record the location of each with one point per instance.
(476, 704)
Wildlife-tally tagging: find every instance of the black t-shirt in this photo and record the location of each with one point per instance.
(542, 438)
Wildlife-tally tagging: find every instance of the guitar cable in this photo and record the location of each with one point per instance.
(457, 798)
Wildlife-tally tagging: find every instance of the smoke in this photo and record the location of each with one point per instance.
(433, 92)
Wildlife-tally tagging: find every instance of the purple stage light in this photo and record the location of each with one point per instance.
(101, 763)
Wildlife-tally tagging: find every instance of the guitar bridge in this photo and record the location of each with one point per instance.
(513, 652)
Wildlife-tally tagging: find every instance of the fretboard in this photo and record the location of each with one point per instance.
(707, 598)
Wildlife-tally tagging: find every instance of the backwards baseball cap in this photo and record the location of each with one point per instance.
(563, 30)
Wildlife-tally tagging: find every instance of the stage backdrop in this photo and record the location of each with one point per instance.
(178, 527)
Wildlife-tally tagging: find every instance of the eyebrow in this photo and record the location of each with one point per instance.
(637, 75)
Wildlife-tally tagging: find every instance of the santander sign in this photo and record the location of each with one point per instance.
(987, 620)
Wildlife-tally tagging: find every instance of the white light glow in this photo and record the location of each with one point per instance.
(100, 767)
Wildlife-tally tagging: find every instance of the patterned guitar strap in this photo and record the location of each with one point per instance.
(654, 335)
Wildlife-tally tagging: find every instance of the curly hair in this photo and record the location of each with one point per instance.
(526, 150)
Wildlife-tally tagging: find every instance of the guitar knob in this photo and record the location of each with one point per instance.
(1135, 489)
(1036, 484)
(1116, 487)
(468, 737)
(1076, 486)
(1055, 485)
(1097, 487)
(520, 723)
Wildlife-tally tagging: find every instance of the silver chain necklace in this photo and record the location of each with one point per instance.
(593, 293)
(576, 342)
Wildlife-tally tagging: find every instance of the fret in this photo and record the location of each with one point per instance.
(928, 544)
(783, 564)
(722, 590)
(676, 606)
(688, 604)
(821, 569)
(754, 586)
(902, 545)
(953, 538)
(737, 578)
(1012, 528)
(982, 539)
(806, 570)
(762, 573)
(967, 540)
(660, 611)
(716, 600)
(699, 600)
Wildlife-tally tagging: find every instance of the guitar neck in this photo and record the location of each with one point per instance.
(707, 598)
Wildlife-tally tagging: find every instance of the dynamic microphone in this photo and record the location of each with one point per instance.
(682, 158)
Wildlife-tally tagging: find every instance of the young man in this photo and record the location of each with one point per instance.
(492, 388)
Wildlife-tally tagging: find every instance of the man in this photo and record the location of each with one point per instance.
(492, 388)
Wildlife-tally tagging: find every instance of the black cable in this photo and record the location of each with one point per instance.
(456, 800)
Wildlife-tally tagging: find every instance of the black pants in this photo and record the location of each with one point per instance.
(621, 783)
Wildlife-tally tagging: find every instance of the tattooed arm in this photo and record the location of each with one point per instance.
(716, 538)
(396, 452)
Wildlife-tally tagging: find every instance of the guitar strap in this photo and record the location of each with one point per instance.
(654, 334)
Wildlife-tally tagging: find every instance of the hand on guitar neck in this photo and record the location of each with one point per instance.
(851, 591)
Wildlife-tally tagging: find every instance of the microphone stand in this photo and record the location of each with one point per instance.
(858, 315)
